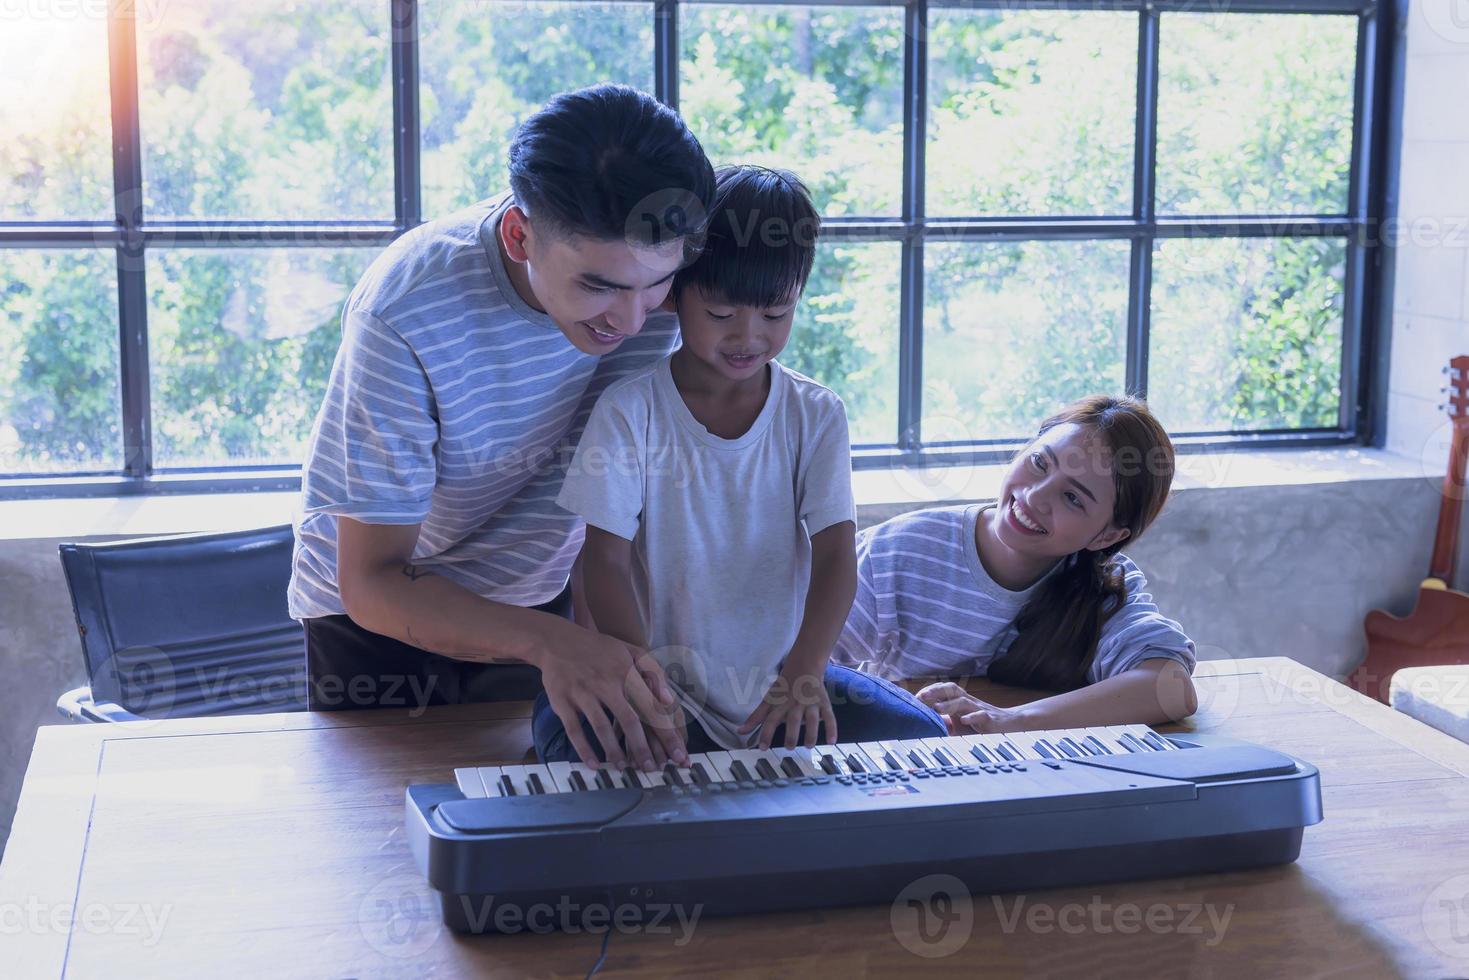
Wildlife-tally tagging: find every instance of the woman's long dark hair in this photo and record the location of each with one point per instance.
(1061, 624)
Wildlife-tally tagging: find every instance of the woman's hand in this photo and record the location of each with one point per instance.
(965, 712)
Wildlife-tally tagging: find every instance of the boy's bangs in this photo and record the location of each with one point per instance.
(760, 241)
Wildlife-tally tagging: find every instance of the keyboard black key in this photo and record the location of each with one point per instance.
(1156, 741)
(533, 780)
(1006, 750)
(577, 782)
(507, 787)
(1132, 742)
(604, 780)
(740, 771)
(701, 775)
(855, 764)
(1042, 748)
(1097, 745)
(830, 766)
(944, 757)
(1075, 753)
(791, 767)
(765, 769)
(630, 778)
(670, 773)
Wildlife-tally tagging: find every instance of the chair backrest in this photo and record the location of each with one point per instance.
(189, 625)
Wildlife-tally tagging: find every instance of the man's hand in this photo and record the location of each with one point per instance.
(673, 721)
(965, 712)
(605, 680)
(797, 699)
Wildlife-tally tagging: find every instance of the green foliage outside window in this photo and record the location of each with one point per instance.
(283, 112)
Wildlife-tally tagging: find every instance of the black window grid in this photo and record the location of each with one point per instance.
(1377, 112)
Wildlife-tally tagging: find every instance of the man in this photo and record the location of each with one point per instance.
(430, 548)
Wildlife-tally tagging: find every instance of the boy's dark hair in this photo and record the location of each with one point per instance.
(610, 162)
(761, 239)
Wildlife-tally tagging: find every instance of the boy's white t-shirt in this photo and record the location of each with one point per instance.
(720, 528)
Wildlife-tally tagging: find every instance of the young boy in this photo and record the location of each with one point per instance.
(716, 489)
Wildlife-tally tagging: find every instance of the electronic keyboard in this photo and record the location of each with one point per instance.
(855, 823)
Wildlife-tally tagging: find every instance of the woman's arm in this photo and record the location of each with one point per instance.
(1155, 692)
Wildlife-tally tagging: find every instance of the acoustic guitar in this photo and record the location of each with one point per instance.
(1436, 632)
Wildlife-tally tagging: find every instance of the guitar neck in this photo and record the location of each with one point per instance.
(1450, 509)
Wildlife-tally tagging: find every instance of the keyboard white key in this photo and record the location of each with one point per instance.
(895, 755)
(717, 765)
(685, 774)
(1037, 742)
(760, 765)
(991, 746)
(802, 758)
(831, 757)
(1148, 737)
(538, 780)
(962, 747)
(916, 754)
(629, 778)
(562, 773)
(490, 776)
(650, 780)
(1008, 746)
(470, 783)
(892, 755)
(1070, 745)
(953, 750)
(1090, 737)
(511, 781)
(877, 752)
(852, 753)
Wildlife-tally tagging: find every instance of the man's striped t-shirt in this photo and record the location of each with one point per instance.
(926, 606)
(454, 405)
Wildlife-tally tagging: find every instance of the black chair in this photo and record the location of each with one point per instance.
(185, 626)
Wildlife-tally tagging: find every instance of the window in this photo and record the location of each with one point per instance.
(1024, 202)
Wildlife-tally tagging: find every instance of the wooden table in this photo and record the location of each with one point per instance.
(273, 845)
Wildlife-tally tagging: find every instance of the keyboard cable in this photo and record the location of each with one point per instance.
(606, 938)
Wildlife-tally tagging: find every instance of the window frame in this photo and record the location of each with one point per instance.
(1367, 300)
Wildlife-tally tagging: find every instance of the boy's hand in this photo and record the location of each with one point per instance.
(797, 699)
(965, 712)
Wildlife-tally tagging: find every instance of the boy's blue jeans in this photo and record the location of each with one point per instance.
(866, 709)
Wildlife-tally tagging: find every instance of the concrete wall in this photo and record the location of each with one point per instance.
(1250, 571)
(1431, 296)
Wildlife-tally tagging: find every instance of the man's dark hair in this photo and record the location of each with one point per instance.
(610, 162)
(761, 239)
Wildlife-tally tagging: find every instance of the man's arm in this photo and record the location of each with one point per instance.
(584, 673)
(606, 561)
(383, 591)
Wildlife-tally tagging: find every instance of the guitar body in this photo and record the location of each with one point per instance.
(1435, 633)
